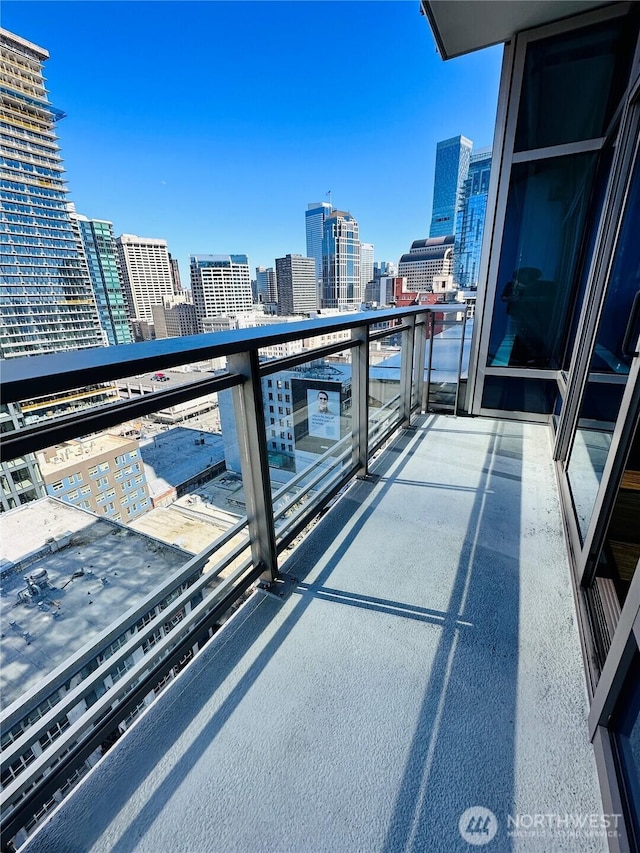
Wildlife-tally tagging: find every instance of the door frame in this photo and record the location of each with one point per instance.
(616, 671)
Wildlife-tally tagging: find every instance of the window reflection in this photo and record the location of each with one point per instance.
(546, 210)
(572, 84)
(627, 736)
(609, 367)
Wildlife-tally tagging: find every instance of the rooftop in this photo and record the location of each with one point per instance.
(173, 378)
(96, 570)
(174, 457)
(68, 452)
(412, 673)
(22, 42)
(196, 519)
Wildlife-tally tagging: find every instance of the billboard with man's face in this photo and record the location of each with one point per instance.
(323, 413)
(318, 413)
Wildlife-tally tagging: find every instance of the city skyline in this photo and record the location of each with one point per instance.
(228, 163)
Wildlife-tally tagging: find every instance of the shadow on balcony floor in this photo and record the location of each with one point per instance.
(427, 662)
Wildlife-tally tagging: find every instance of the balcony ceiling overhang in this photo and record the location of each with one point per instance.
(462, 26)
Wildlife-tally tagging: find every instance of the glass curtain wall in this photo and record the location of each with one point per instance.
(566, 90)
(609, 366)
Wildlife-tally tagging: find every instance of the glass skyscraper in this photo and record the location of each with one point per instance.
(266, 285)
(470, 220)
(47, 302)
(342, 287)
(99, 247)
(315, 216)
(366, 265)
(452, 166)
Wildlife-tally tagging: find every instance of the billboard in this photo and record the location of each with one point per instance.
(323, 413)
(319, 407)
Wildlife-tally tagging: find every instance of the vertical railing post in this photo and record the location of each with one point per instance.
(427, 387)
(406, 370)
(420, 343)
(460, 360)
(360, 399)
(254, 462)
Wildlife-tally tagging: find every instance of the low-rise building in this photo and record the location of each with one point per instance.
(225, 323)
(179, 460)
(66, 577)
(102, 473)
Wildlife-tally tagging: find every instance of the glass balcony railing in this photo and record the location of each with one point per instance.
(163, 511)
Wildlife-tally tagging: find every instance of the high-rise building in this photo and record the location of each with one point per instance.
(175, 274)
(220, 284)
(99, 248)
(452, 166)
(341, 262)
(297, 287)
(21, 480)
(425, 260)
(315, 216)
(470, 223)
(366, 266)
(261, 284)
(47, 302)
(146, 273)
(379, 289)
(382, 268)
(176, 316)
(266, 285)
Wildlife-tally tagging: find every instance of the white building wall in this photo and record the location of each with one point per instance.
(146, 272)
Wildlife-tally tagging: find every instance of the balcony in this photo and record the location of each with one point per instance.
(415, 655)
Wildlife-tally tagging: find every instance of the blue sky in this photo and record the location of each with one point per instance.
(212, 124)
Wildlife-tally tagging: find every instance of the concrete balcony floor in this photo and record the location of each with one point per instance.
(428, 661)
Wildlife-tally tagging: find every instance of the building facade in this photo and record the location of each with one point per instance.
(366, 266)
(297, 285)
(103, 474)
(175, 317)
(220, 284)
(379, 292)
(47, 538)
(452, 165)
(47, 302)
(175, 275)
(146, 274)
(226, 323)
(20, 479)
(315, 216)
(426, 259)
(470, 224)
(98, 245)
(266, 285)
(341, 282)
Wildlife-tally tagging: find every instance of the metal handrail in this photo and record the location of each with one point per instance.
(37, 376)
